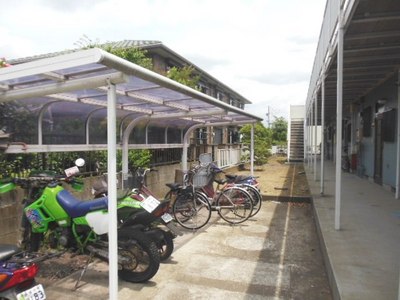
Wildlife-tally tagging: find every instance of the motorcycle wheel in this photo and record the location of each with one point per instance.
(144, 258)
(166, 246)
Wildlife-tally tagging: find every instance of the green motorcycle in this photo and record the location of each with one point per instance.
(83, 225)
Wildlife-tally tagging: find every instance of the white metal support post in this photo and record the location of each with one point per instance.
(125, 146)
(312, 136)
(87, 124)
(315, 134)
(112, 191)
(339, 112)
(305, 137)
(308, 139)
(252, 150)
(398, 143)
(322, 134)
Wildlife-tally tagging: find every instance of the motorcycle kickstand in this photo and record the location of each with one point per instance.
(85, 267)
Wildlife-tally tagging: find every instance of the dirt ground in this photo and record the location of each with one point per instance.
(278, 178)
(57, 268)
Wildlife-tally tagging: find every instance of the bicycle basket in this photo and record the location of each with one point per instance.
(202, 177)
(205, 158)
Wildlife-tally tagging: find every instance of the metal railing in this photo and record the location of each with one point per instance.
(228, 157)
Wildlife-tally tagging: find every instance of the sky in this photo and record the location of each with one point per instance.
(262, 49)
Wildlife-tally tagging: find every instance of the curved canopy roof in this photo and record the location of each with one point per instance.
(63, 101)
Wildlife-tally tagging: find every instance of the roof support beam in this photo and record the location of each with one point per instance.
(62, 87)
(395, 15)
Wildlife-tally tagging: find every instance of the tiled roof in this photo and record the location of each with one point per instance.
(133, 43)
(120, 44)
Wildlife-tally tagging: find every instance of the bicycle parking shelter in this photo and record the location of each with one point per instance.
(93, 81)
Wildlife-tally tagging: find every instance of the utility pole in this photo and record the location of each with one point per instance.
(269, 117)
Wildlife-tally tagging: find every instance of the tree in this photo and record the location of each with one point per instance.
(279, 131)
(3, 63)
(133, 54)
(262, 141)
(184, 75)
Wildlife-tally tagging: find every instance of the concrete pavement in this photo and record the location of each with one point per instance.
(275, 255)
(362, 257)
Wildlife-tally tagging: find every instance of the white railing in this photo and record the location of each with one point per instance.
(228, 157)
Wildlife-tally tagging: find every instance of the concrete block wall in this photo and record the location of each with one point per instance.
(10, 216)
(156, 180)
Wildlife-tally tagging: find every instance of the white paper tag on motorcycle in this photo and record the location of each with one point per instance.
(98, 221)
(34, 293)
(150, 203)
(71, 171)
(166, 217)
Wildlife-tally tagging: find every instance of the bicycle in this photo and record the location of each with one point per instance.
(250, 184)
(190, 208)
(195, 200)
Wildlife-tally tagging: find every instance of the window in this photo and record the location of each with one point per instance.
(204, 89)
(389, 126)
(367, 121)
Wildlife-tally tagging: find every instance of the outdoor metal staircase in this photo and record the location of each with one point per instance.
(296, 152)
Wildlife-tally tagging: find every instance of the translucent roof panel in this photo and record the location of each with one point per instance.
(63, 94)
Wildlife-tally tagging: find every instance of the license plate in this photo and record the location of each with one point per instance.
(150, 203)
(166, 217)
(34, 293)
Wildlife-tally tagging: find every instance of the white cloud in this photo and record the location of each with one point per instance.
(263, 49)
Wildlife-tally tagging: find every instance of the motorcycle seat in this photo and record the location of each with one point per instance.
(6, 251)
(238, 178)
(78, 208)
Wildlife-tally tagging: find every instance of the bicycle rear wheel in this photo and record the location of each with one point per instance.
(234, 205)
(191, 210)
(255, 196)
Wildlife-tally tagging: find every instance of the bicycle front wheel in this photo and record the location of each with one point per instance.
(192, 210)
(234, 205)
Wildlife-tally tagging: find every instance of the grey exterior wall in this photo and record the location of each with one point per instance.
(387, 90)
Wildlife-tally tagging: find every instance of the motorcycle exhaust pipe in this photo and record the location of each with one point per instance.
(122, 260)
